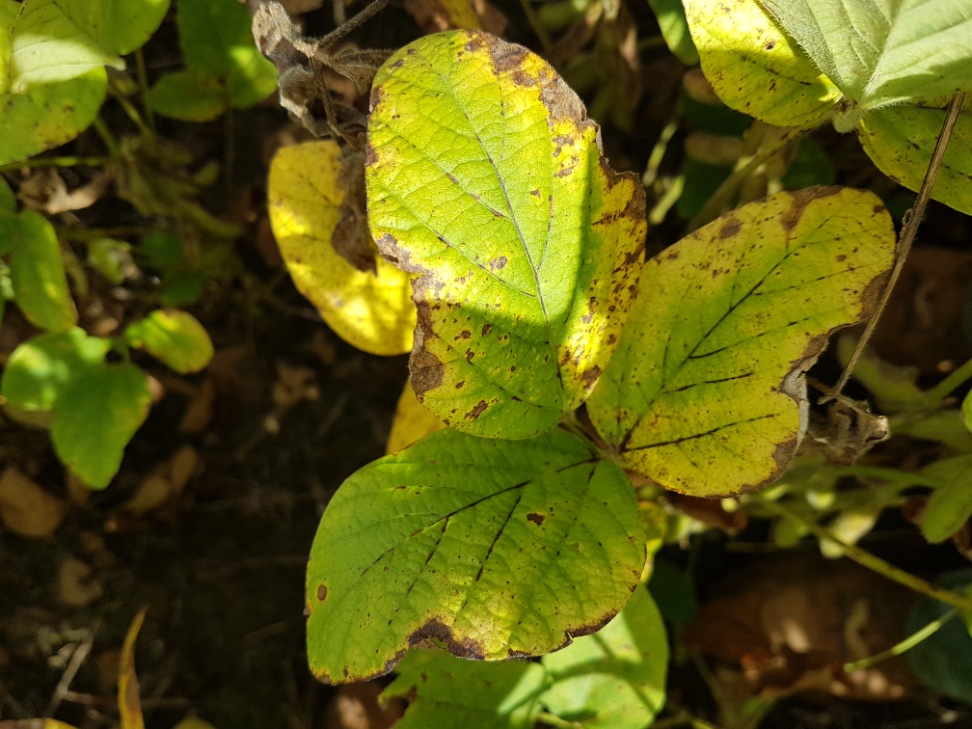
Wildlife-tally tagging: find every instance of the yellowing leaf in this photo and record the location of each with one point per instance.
(706, 392)
(26, 508)
(175, 337)
(193, 722)
(129, 701)
(485, 176)
(754, 67)
(412, 422)
(372, 311)
(900, 141)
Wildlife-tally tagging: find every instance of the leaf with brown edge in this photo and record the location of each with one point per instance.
(486, 178)
(706, 393)
(495, 548)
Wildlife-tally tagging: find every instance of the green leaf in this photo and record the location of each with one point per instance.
(43, 116)
(614, 679)
(943, 662)
(40, 368)
(8, 204)
(881, 52)
(486, 178)
(448, 693)
(37, 271)
(111, 257)
(49, 45)
(191, 95)
(674, 29)
(175, 337)
(97, 414)
(950, 505)
(496, 548)
(967, 411)
(208, 31)
(706, 394)
(754, 67)
(252, 77)
(900, 141)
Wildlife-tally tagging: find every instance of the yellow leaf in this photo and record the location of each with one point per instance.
(755, 68)
(26, 508)
(412, 422)
(370, 310)
(129, 703)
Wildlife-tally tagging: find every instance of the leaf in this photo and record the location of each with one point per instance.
(27, 509)
(943, 662)
(174, 337)
(47, 115)
(251, 77)
(882, 52)
(97, 414)
(674, 29)
(59, 40)
(40, 368)
(412, 422)
(434, 16)
(191, 95)
(967, 411)
(486, 178)
(614, 679)
(496, 548)
(208, 31)
(8, 204)
(129, 702)
(754, 67)
(950, 505)
(193, 722)
(706, 394)
(448, 693)
(372, 311)
(900, 141)
(37, 271)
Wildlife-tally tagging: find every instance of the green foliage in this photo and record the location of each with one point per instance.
(944, 661)
(36, 271)
(614, 679)
(175, 337)
(223, 67)
(97, 413)
(513, 222)
(498, 548)
(800, 63)
(674, 28)
(52, 58)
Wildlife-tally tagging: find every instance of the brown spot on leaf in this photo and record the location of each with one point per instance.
(591, 376)
(802, 198)
(536, 518)
(322, 593)
(498, 263)
(469, 355)
(477, 410)
(425, 368)
(463, 647)
(730, 227)
(486, 329)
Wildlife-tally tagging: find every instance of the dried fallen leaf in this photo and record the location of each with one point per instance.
(164, 483)
(356, 706)
(790, 624)
(75, 585)
(129, 702)
(26, 508)
(47, 192)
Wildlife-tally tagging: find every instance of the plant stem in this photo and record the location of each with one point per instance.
(537, 26)
(872, 562)
(944, 388)
(556, 721)
(39, 162)
(891, 475)
(144, 88)
(106, 136)
(658, 154)
(907, 644)
(912, 220)
(721, 197)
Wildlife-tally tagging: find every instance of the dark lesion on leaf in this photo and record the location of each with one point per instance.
(731, 226)
(461, 646)
(536, 518)
(477, 410)
(321, 593)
